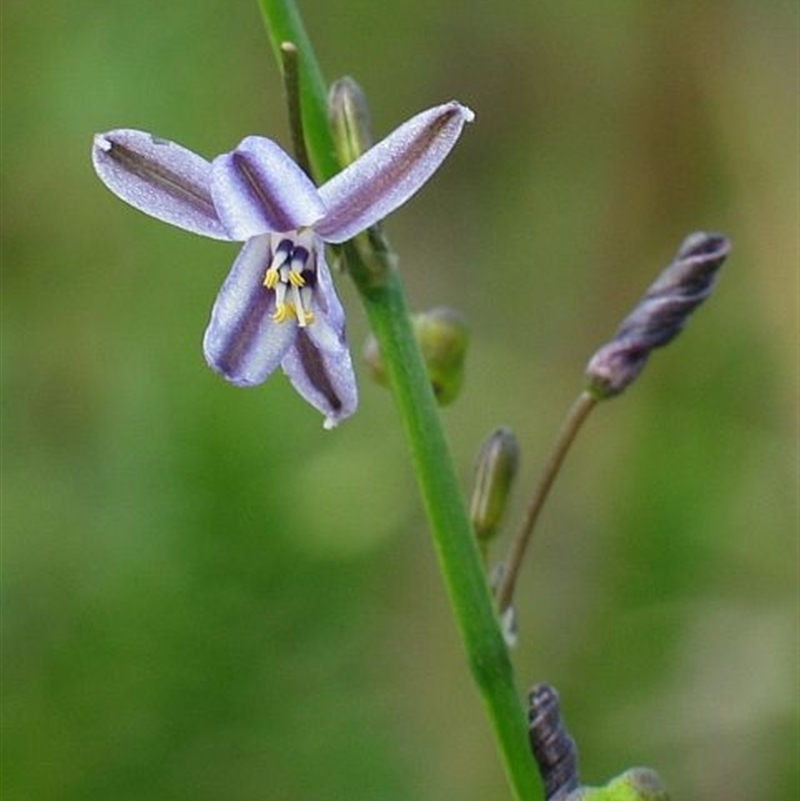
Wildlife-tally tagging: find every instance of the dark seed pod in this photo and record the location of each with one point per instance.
(553, 748)
(660, 315)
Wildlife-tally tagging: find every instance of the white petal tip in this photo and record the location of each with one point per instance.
(101, 142)
(466, 112)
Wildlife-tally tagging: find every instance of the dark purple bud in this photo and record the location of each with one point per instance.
(660, 315)
(553, 749)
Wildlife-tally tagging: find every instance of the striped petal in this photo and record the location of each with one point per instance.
(389, 173)
(242, 342)
(160, 178)
(257, 189)
(318, 364)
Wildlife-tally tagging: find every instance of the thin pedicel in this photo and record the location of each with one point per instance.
(655, 321)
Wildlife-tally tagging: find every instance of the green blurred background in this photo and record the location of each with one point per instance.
(206, 596)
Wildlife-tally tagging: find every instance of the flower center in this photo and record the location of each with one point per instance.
(292, 276)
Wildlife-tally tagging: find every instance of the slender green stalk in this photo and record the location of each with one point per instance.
(574, 420)
(290, 66)
(459, 559)
(284, 24)
(458, 553)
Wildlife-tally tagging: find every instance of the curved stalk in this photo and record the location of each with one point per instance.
(575, 419)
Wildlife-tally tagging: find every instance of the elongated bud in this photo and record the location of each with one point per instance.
(553, 749)
(443, 338)
(350, 121)
(660, 315)
(495, 471)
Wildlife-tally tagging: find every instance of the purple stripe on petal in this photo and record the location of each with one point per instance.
(242, 341)
(160, 178)
(389, 173)
(257, 188)
(325, 378)
(325, 298)
(319, 364)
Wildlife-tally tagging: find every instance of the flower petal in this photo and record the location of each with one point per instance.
(257, 188)
(319, 364)
(389, 173)
(325, 378)
(160, 178)
(242, 341)
(326, 301)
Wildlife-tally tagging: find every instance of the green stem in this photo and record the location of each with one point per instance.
(284, 24)
(460, 562)
(290, 66)
(458, 554)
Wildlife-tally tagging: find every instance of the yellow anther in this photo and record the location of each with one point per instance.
(271, 278)
(296, 279)
(284, 312)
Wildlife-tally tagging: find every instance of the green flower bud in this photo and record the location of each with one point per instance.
(636, 784)
(495, 471)
(349, 117)
(443, 337)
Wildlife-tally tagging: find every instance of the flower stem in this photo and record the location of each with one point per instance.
(291, 85)
(572, 424)
(284, 24)
(458, 554)
(460, 562)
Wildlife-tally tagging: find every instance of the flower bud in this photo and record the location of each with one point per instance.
(660, 315)
(636, 784)
(443, 337)
(553, 749)
(349, 117)
(556, 756)
(495, 471)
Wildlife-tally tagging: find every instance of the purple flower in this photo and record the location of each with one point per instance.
(278, 305)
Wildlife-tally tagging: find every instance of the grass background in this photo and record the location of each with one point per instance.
(207, 596)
